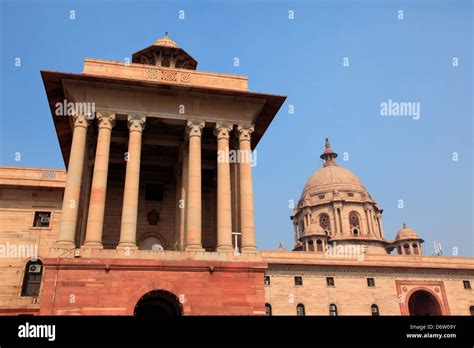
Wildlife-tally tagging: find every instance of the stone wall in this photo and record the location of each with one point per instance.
(352, 295)
(84, 286)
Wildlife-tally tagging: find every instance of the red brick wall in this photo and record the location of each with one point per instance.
(84, 287)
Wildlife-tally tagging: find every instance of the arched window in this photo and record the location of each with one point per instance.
(300, 310)
(354, 223)
(319, 245)
(268, 309)
(32, 278)
(332, 310)
(374, 309)
(406, 249)
(416, 251)
(325, 223)
(310, 245)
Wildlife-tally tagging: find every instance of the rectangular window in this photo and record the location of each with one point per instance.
(350, 194)
(154, 192)
(467, 284)
(330, 281)
(298, 280)
(266, 280)
(370, 281)
(42, 219)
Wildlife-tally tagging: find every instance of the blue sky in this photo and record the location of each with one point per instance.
(405, 60)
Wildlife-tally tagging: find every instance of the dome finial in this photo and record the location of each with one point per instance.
(328, 156)
(165, 41)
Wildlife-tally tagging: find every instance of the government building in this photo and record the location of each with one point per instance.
(155, 215)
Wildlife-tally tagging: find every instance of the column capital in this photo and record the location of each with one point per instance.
(222, 130)
(81, 121)
(106, 119)
(245, 131)
(195, 127)
(136, 123)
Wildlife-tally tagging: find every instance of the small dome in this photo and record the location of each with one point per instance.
(281, 248)
(165, 41)
(406, 233)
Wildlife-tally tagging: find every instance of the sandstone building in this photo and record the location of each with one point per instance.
(153, 217)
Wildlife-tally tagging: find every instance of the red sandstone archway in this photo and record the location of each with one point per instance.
(158, 303)
(423, 303)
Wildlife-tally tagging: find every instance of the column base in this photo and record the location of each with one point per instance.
(63, 244)
(93, 245)
(225, 248)
(246, 249)
(194, 247)
(127, 245)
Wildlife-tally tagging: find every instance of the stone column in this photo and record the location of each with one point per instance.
(246, 189)
(379, 220)
(183, 204)
(295, 232)
(177, 224)
(335, 230)
(235, 186)
(128, 229)
(193, 237)
(372, 222)
(67, 227)
(95, 219)
(367, 223)
(224, 207)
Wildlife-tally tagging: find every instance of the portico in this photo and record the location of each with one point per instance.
(152, 165)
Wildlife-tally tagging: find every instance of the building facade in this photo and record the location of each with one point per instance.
(155, 214)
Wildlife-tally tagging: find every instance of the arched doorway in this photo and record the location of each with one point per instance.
(423, 303)
(158, 303)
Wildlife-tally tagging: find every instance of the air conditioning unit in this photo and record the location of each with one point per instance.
(34, 269)
(44, 219)
(157, 247)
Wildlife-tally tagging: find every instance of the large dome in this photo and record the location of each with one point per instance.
(332, 176)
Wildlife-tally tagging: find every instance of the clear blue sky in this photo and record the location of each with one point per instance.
(404, 60)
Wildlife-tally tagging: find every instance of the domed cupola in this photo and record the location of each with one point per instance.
(333, 178)
(336, 207)
(165, 53)
(407, 242)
